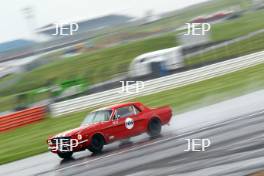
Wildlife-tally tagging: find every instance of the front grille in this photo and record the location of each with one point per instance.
(61, 143)
(59, 140)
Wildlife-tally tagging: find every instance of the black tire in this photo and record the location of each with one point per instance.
(65, 155)
(154, 127)
(97, 144)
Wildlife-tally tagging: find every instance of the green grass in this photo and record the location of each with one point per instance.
(247, 23)
(209, 91)
(7, 103)
(179, 17)
(250, 45)
(108, 63)
(30, 140)
(96, 67)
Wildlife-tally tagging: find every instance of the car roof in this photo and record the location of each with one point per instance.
(115, 106)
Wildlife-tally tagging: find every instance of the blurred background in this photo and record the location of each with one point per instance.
(36, 65)
(115, 41)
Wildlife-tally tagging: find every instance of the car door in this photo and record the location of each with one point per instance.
(124, 122)
(139, 120)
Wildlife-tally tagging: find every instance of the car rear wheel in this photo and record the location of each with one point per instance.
(154, 127)
(97, 144)
(65, 155)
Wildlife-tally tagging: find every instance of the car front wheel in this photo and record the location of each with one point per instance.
(97, 144)
(65, 155)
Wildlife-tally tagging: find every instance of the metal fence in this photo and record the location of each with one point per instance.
(159, 84)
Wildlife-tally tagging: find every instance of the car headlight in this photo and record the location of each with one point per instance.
(79, 137)
(49, 142)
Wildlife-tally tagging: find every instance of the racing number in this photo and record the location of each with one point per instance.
(129, 123)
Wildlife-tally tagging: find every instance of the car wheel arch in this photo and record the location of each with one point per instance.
(100, 135)
(154, 118)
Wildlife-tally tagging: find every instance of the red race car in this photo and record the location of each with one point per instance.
(110, 124)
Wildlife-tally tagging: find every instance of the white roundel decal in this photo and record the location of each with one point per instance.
(129, 123)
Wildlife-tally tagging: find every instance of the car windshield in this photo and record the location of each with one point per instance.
(97, 116)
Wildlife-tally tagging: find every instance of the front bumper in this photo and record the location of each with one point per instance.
(56, 145)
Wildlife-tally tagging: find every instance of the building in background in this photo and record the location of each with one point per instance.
(88, 25)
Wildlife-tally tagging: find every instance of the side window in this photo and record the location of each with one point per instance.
(136, 110)
(125, 111)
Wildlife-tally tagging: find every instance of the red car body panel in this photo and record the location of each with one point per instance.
(113, 130)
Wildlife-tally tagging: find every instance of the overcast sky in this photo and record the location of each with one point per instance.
(14, 24)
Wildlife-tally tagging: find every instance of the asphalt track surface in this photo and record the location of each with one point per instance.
(234, 127)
